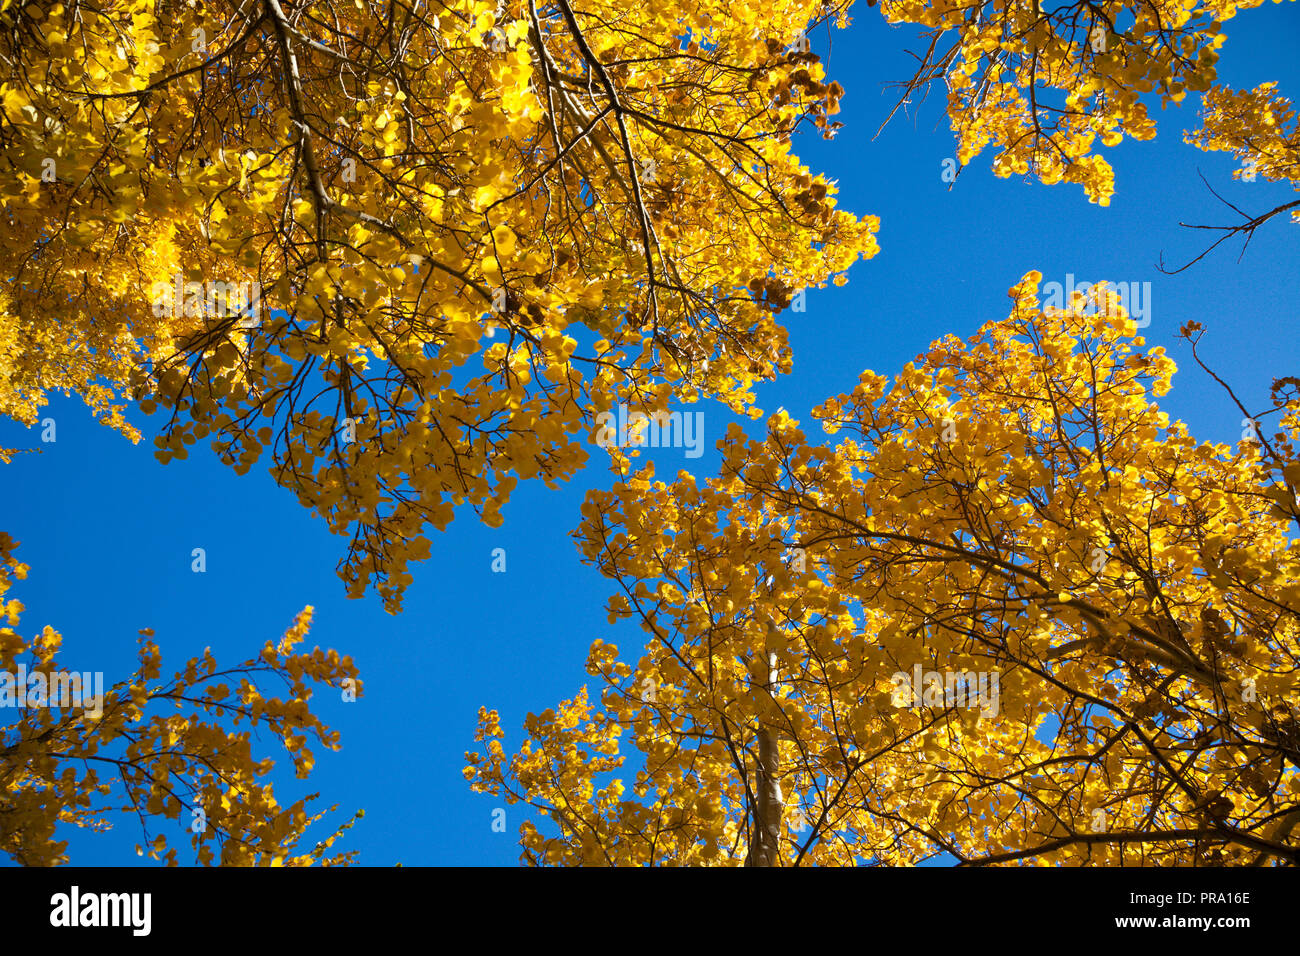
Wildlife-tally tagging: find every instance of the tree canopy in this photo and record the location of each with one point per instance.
(472, 227)
(408, 253)
(167, 749)
(1119, 603)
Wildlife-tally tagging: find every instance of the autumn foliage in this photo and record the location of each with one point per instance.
(1016, 504)
(178, 748)
(406, 254)
(471, 233)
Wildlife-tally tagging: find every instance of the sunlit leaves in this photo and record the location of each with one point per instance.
(1016, 504)
(173, 754)
(1047, 85)
(467, 240)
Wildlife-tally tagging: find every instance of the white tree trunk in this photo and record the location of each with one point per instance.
(764, 850)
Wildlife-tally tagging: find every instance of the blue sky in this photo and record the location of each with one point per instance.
(108, 532)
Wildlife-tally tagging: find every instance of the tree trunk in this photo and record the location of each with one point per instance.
(764, 849)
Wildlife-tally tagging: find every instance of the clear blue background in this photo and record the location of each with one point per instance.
(108, 532)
